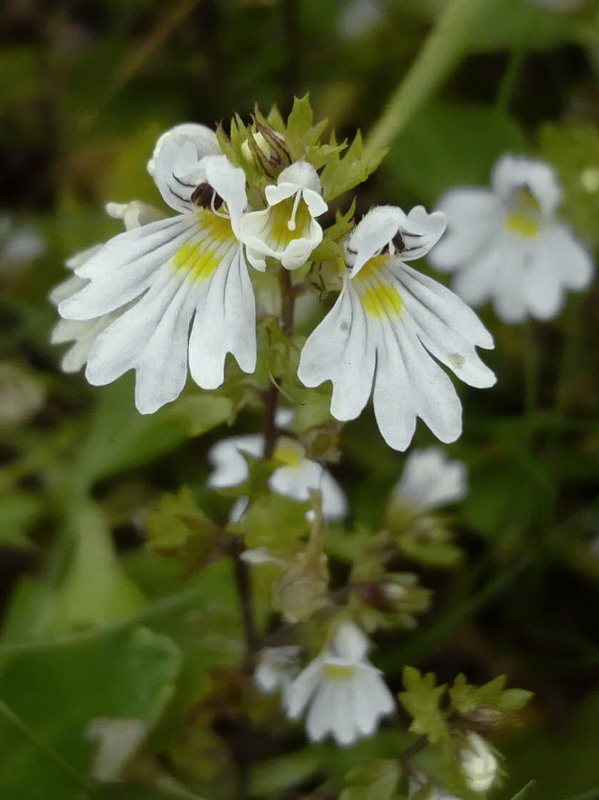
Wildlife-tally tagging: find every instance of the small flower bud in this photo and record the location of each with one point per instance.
(266, 148)
(478, 763)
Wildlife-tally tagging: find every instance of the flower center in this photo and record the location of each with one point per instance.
(290, 452)
(200, 259)
(339, 672)
(380, 299)
(289, 220)
(524, 218)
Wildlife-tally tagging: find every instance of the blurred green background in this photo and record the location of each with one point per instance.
(94, 624)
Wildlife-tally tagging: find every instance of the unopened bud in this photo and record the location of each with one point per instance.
(266, 148)
(478, 763)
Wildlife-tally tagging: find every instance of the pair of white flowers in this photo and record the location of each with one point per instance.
(342, 693)
(171, 294)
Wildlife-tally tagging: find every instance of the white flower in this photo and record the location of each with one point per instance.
(507, 245)
(185, 277)
(360, 17)
(430, 480)
(478, 762)
(287, 230)
(119, 739)
(388, 326)
(345, 694)
(296, 476)
(277, 667)
(83, 333)
(18, 244)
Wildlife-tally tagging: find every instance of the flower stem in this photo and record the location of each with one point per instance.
(444, 48)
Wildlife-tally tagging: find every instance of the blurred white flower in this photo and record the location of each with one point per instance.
(344, 694)
(358, 17)
(422, 787)
(185, 277)
(83, 333)
(18, 244)
(479, 764)
(430, 480)
(118, 740)
(388, 326)
(296, 476)
(21, 395)
(287, 229)
(277, 667)
(507, 245)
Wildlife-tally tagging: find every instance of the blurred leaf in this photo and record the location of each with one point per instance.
(373, 780)
(19, 510)
(202, 412)
(273, 521)
(448, 145)
(121, 438)
(57, 690)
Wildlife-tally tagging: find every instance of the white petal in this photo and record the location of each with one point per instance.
(296, 483)
(179, 152)
(473, 216)
(302, 175)
(226, 456)
(448, 330)
(444, 304)
(372, 699)
(349, 642)
(225, 322)
(374, 231)
(126, 266)
(430, 480)
(134, 214)
(431, 393)
(340, 349)
(303, 688)
(420, 231)
(514, 172)
(229, 182)
(575, 263)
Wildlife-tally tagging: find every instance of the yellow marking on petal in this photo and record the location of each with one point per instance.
(338, 672)
(524, 218)
(281, 214)
(372, 267)
(200, 260)
(521, 225)
(196, 259)
(382, 300)
(219, 228)
(290, 452)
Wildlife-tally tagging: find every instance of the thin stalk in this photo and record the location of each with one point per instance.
(442, 51)
(508, 84)
(531, 381)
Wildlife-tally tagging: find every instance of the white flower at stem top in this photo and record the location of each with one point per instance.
(506, 244)
(343, 693)
(185, 279)
(430, 480)
(388, 326)
(478, 763)
(296, 476)
(287, 229)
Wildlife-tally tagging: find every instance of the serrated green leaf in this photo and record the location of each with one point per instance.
(421, 700)
(274, 522)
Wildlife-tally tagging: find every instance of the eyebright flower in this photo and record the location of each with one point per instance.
(479, 764)
(296, 476)
(429, 480)
(344, 694)
(388, 326)
(287, 230)
(183, 272)
(83, 333)
(507, 245)
(118, 740)
(277, 666)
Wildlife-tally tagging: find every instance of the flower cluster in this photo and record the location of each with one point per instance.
(176, 294)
